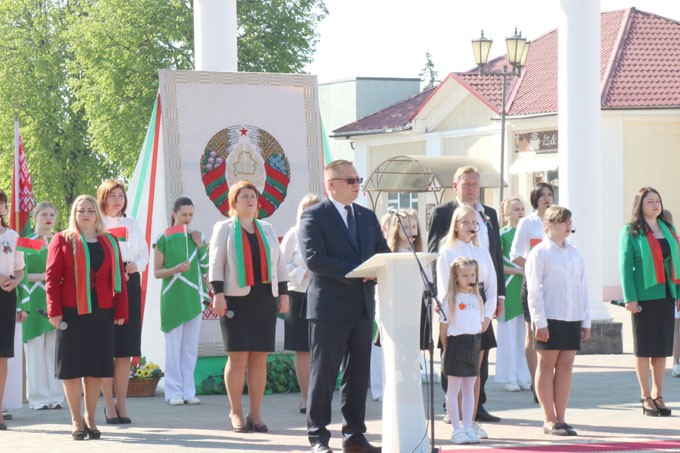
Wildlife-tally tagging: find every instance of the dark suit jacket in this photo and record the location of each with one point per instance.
(440, 222)
(330, 254)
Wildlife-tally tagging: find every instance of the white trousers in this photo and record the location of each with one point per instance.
(181, 353)
(511, 363)
(44, 389)
(13, 396)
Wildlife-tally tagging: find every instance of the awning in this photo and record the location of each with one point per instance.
(425, 174)
(533, 163)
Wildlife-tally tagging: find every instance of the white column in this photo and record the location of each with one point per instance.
(363, 168)
(215, 35)
(434, 145)
(579, 129)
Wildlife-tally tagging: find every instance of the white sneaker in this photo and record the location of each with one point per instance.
(472, 436)
(459, 437)
(525, 385)
(176, 401)
(193, 401)
(479, 431)
(512, 387)
(676, 370)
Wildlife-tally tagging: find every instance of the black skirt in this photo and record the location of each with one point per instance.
(564, 336)
(524, 298)
(128, 337)
(253, 326)
(8, 320)
(85, 349)
(653, 328)
(296, 333)
(461, 355)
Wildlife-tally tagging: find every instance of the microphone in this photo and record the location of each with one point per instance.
(472, 285)
(395, 212)
(620, 303)
(573, 231)
(62, 325)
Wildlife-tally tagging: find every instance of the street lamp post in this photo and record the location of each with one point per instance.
(518, 48)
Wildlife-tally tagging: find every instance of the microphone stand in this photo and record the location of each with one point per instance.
(430, 294)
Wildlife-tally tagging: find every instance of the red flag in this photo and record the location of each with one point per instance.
(23, 200)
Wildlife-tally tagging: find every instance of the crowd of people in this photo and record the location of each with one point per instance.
(78, 293)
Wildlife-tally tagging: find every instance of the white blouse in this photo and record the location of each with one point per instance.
(465, 321)
(556, 284)
(134, 248)
(10, 260)
(529, 228)
(487, 272)
(299, 274)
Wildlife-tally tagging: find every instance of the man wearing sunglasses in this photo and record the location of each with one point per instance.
(466, 184)
(336, 236)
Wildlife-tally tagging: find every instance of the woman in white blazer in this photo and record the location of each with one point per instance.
(247, 273)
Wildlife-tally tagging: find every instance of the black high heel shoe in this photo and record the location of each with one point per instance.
(123, 420)
(112, 420)
(93, 434)
(647, 411)
(78, 435)
(663, 411)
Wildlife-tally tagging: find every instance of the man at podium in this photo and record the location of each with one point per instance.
(336, 236)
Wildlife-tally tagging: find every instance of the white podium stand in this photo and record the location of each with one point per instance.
(400, 290)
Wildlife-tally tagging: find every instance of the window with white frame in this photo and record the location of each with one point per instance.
(402, 200)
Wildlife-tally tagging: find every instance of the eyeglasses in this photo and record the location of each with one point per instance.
(350, 181)
(468, 223)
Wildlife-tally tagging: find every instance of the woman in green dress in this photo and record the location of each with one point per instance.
(181, 260)
(40, 338)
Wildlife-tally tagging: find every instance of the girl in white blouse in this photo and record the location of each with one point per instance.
(462, 241)
(460, 332)
(560, 314)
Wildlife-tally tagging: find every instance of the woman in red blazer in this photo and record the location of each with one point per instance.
(86, 289)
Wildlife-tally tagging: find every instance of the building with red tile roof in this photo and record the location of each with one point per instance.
(640, 122)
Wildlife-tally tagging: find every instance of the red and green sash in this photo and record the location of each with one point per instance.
(244, 255)
(81, 258)
(653, 270)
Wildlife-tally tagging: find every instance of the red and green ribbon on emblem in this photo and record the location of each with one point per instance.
(653, 270)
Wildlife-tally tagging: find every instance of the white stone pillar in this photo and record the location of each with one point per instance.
(579, 129)
(215, 35)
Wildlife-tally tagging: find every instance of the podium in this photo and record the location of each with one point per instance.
(400, 290)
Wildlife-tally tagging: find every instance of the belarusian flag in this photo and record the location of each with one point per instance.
(23, 200)
(175, 232)
(119, 233)
(27, 245)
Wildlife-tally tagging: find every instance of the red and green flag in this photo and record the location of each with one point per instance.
(29, 246)
(23, 200)
(119, 233)
(176, 232)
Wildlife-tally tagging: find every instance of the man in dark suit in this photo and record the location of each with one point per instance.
(335, 237)
(467, 187)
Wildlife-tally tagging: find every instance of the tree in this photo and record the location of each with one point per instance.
(428, 73)
(85, 74)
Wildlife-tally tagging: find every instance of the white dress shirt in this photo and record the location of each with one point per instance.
(341, 209)
(528, 228)
(10, 259)
(556, 282)
(487, 272)
(299, 274)
(467, 321)
(134, 248)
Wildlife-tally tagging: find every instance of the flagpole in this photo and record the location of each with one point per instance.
(186, 240)
(16, 170)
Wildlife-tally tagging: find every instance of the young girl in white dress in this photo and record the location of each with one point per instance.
(462, 322)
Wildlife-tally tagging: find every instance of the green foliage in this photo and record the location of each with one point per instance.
(84, 73)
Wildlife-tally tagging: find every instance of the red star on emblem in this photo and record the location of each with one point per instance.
(244, 131)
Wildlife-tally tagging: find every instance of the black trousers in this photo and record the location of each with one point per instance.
(332, 344)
